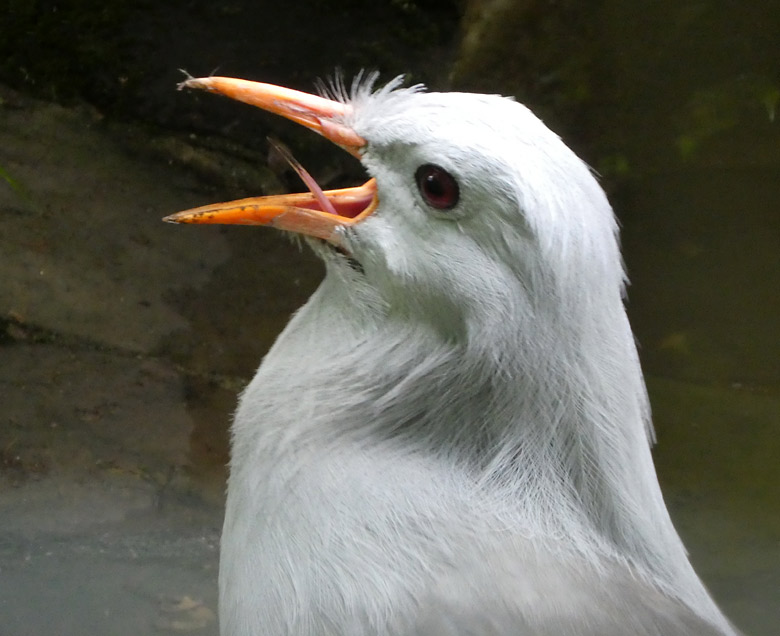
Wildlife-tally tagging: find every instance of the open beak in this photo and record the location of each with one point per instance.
(318, 213)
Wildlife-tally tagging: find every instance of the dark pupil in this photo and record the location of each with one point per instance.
(437, 186)
(434, 186)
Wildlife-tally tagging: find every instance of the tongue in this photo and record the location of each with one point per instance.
(314, 188)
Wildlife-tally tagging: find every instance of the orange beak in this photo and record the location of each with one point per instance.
(306, 213)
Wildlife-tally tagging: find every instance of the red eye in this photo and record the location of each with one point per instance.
(437, 186)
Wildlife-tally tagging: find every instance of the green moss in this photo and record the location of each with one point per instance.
(16, 186)
(720, 109)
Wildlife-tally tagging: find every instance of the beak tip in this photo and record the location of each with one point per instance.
(198, 83)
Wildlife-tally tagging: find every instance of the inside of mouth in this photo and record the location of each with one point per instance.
(348, 203)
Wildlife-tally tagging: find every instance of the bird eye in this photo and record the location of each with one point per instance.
(437, 186)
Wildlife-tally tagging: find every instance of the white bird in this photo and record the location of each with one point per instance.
(452, 436)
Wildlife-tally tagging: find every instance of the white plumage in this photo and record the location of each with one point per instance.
(452, 436)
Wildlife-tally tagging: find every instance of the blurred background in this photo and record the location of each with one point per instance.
(124, 341)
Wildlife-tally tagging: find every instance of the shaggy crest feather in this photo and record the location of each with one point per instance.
(453, 438)
(363, 88)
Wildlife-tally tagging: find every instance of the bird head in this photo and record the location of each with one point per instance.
(476, 216)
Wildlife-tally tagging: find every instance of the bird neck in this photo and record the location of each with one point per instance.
(553, 431)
